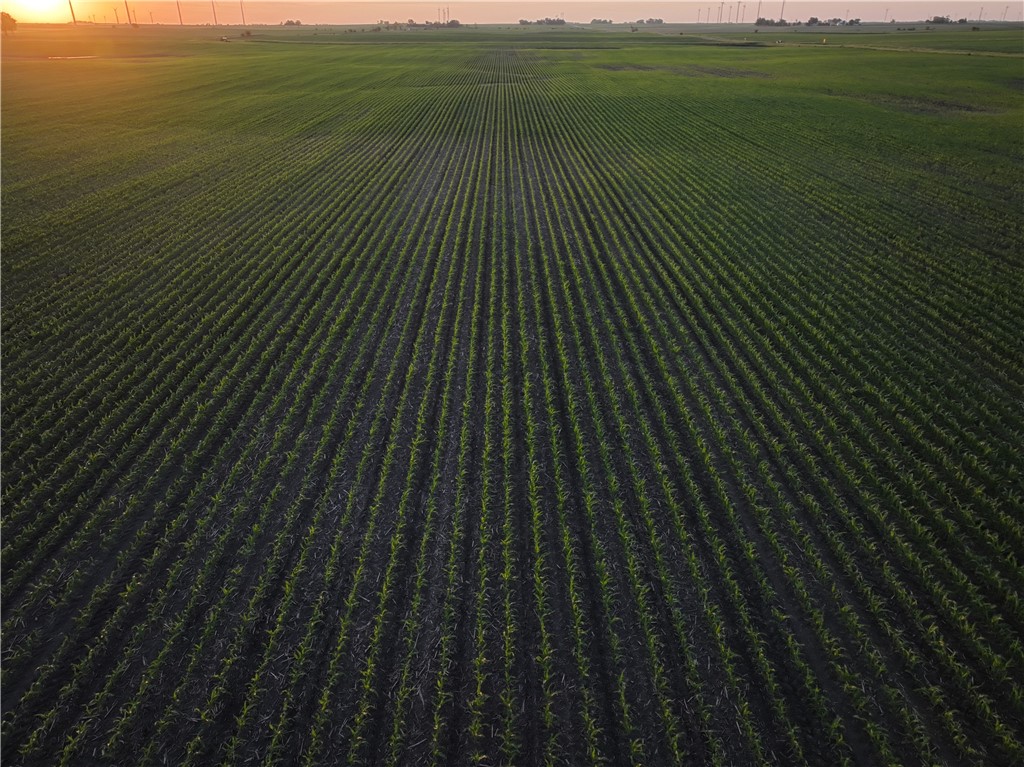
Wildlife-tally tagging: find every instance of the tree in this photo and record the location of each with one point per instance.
(8, 22)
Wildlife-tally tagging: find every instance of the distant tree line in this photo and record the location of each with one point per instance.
(8, 22)
(601, 21)
(650, 21)
(763, 22)
(543, 22)
(814, 21)
(450, 24)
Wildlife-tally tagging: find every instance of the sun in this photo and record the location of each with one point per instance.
(38, 11)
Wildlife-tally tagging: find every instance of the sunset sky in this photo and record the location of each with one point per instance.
(498, 11)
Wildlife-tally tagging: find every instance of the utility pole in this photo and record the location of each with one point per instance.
(758, 11)
(698, 15)
(135, 18)
(75, 21)
(180, 22)
(886, 16)
(743, 16)
(981, 13)
(127, 14)
(117, 17)
(721, 7)
(782, 13)
(1004, 13)
(243, 11)
(214, 6)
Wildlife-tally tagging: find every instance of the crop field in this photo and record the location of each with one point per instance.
(511, 397)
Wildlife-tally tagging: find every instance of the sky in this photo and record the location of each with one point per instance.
(496, 11)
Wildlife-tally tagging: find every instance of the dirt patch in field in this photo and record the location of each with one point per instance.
(692, 70)
(699, 71)
(925, 106)
(627, 68)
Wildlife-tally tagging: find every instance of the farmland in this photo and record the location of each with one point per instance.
(511, 397)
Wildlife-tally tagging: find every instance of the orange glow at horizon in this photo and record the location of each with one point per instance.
(38, 11)
(505, 12)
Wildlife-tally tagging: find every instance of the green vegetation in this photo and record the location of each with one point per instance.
(511, 396)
